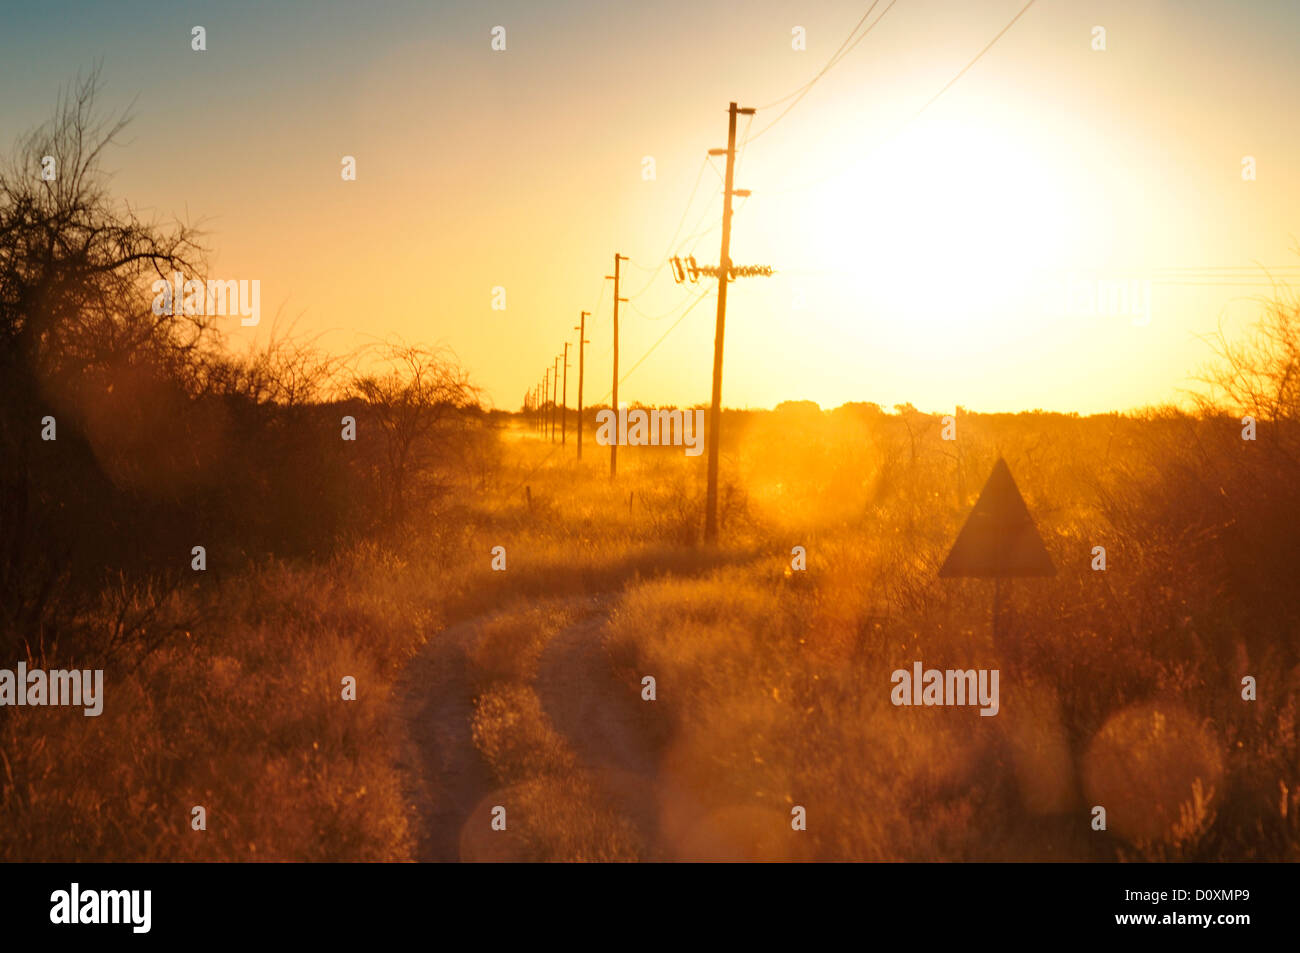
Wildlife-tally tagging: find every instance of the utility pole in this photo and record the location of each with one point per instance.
(613, 446)
(556, 383)
(564, 400)
(724, 275)
(545, 399)
(581, 328)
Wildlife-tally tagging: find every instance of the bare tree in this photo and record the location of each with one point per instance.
(1260, 374)
(418, 397)
(73, 263)
(74, 268)
(284, 371)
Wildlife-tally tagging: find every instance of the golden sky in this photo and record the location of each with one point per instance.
(940, 259)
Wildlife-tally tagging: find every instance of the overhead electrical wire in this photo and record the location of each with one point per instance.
(833, 60)
(916, 115)
(686, 211)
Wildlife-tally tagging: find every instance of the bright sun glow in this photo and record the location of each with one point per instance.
(938, 245)
(961, 220)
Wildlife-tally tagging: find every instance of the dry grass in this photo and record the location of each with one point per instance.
(1120, 688)
(242, 716)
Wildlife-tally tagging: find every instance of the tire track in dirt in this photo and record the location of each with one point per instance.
(447, 778)
(446, 775)
(599, 719)
(610, 729)
(602, 720)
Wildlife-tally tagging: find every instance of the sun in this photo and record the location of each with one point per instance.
(949, 228)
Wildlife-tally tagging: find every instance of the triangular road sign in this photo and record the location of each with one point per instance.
(999, 539)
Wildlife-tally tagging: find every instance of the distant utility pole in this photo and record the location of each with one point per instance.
(564, 400)
(556, 382)
(613, 444)
(724, 275)
(545, 398)
(581, 328)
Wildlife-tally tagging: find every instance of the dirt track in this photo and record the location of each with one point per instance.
(449, 782)
(446, 775)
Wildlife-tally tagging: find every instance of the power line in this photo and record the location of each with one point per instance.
(663, 259)
(963, 70)
(916, 115)
(1227, 270)
(555, 448)
(599, 298)
(662, 315)
(697, 236)
(716, 225)
(833, 60)
(663, 337)
(749, 122)
(686, 211)
(835, 57)
(1261, 283)
(845, 47)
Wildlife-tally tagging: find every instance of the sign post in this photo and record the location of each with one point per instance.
(999, 540)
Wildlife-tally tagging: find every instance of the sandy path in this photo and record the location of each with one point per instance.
(448, 781)
(446, 776)
(599, 718)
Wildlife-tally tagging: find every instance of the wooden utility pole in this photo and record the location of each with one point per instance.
(556, 390)
(613, 445)
(581, 328)
(564, 400)
(545, 399)
(724, 275)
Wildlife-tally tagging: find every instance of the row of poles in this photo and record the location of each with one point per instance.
(541, 402)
